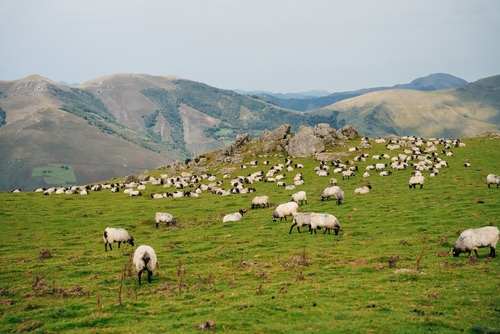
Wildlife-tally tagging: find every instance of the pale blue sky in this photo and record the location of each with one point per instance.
(279, 46)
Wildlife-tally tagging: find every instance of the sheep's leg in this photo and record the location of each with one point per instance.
(475, 251)
(492, 251)
(106, 246)
(157, 224)
(150, 273)
(291, 227)
(139, 276)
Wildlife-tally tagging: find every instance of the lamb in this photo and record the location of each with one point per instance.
(334, 191)
(259, 201)
(493, 179)
(285, 209)
(233, 217)
(167, 218)
(414, 180)
(301, 219)
(472, 239)
(119, 235)
(324, 220)
(363, 190)
(145, 259)
(299, 197)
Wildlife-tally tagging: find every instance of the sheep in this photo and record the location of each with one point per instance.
(347, 173)
(324, 220)
(493, 179)
(333, 181)
(380, 166)
(366, 174)
(167, 218)
(157, 196)
(135, 193)
(414, 180)
(363, 190)
(334, 191)
(145, 259)
(285, 209)
(233, 217)
(119, 235)
(472, 239)
(385, 173)
(466, 164)
(301, 219)
(299, 197)
(259, 201)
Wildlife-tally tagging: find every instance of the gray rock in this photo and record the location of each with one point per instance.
(305, 143)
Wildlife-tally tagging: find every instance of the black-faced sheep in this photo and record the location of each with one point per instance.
(493, 179)
(119, 235)
(347, 173)
(145, 259)
(285, 209)
(472, 239)
(324, 220)
(299, 197)
(233, 217)
(414, 180)
(363, 190)
(166, 218)
(301, 219)
(260, 201)
(334, 191)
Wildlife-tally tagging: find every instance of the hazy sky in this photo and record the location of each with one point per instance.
(274, 45)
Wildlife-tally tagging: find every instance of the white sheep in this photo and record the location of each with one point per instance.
(347, 173)
(301, 219)
(135, 193)
(334, 191)
(299, 197)
(119, 235)
(166, 218)
(145, 259)
(493, 179)
(333, 181)
(260, 201)
(385, 173)
(324, 220)
(363, 190)
(414, 180)
(366, 174)
(472, 239)
(285, 209)
(233, 217)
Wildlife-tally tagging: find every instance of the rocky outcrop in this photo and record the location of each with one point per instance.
(326, 133)
(281, 133)
(230, 154)
(349, 132)
(305, 143)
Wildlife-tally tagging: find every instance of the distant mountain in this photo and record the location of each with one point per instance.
(302, 95)
(75, 84)
(465, 111)
(431, 82)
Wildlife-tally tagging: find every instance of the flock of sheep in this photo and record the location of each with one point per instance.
(418, 154)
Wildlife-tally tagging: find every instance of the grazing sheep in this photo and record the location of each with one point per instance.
(414, 180)
(299, 197)
(380, 166)
(324, 220)
(333, 181)
(285, 209)
(233, 217)
(493, 179)
(135, 193)
(466, 164)
(334, 191)
(119, 235)
(301, 219)
(347, 173)
(472, 239)
(260, 201)
(145, 259)
(167, 218)
(363, 190)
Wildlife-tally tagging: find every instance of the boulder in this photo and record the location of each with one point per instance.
(305, 143)
(349, 132)
(282, 132)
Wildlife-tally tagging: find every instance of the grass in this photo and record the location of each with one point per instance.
(389, 271)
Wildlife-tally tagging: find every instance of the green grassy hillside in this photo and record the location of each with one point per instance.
(388, 271)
